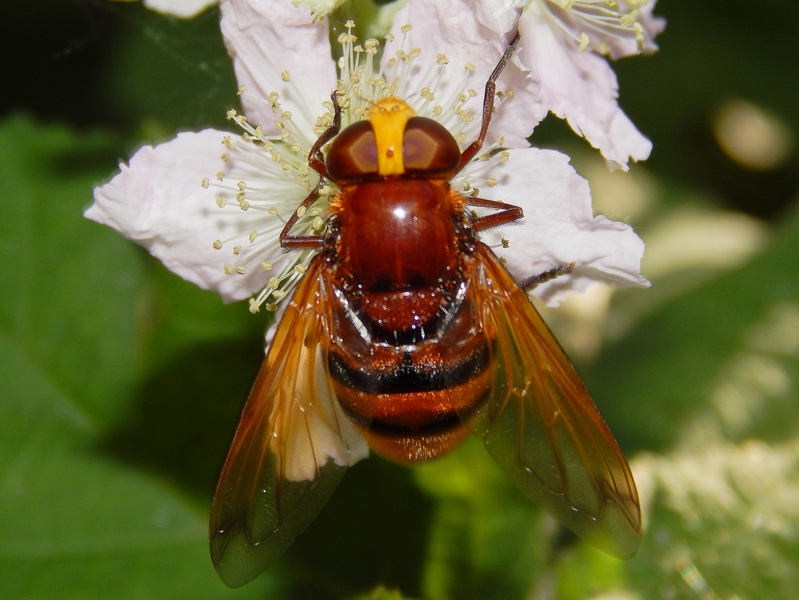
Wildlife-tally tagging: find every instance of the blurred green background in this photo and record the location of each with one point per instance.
(120, 384)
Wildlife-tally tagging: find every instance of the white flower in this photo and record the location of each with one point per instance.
(184, 9)
(564, 45)
(211, 204)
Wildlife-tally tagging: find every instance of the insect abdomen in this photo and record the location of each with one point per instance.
(410, 400)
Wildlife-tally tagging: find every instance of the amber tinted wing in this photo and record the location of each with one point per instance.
(540, 424)
(291, 447)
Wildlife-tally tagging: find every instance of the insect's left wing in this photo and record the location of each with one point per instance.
(540, 424)
(291, 447)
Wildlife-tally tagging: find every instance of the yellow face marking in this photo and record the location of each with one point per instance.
(388, 118)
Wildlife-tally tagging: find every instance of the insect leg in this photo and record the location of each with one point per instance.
(301, 241)
(508, 213)
(488, 105)
(315, 155)
(317, 164)
(536, 280)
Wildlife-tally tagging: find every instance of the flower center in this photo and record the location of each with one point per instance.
(270, 174)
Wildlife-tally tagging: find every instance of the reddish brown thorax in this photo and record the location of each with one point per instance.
(395, 217)
(415, 244)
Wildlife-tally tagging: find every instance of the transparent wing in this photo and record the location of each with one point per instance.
(291, 447)
(541, 426)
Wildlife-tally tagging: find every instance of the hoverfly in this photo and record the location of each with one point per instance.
(406, 333)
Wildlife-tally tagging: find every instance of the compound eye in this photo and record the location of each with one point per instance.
(428, 146)
(353, 153)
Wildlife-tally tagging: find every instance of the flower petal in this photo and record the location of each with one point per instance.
(467, 34)
(650, 25)
(581, 88)
(270, 42)
(185, 9)
(559, 227)
(159, 202)
(499, 15)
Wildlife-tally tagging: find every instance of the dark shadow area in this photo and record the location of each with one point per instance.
(95, 63)
(184, 417)
(96, 149)
(53, 57)
(372, 532)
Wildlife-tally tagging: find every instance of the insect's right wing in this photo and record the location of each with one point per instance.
(541, 426)
(292, 446)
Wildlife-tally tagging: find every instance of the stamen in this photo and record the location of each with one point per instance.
(595, 24)
(268, 175)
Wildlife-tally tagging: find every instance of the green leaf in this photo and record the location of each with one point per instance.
(676, 363)
(381, 593)
(170, 74)
(485, 539)
(79, 520)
